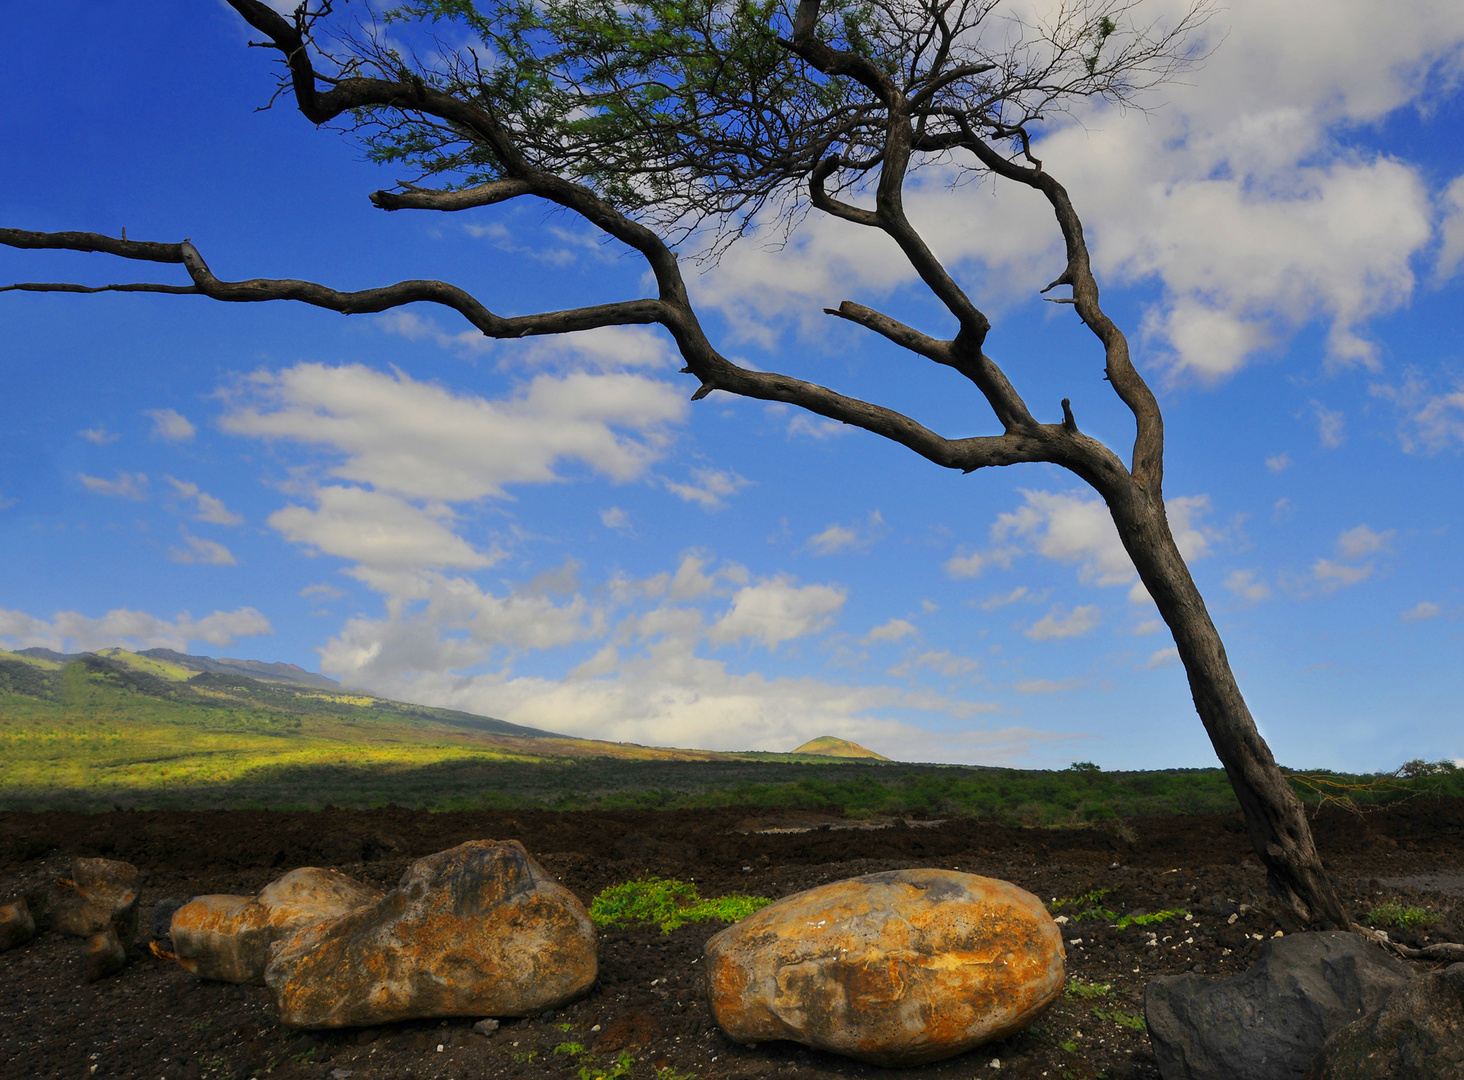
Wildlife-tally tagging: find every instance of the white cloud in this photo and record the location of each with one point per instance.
(1359, 542)
(1451, 251)
(378, 530)
(70, 631)
(894, 630)
(616, 519)
(1331, 425)
(199, 550)
(1162, 658)
(1060, 623)
(1244, 584)
(99, 435)
(992, 603)
(1429, 421)
(1074, 527)
(210, 509)
(1278, 462)
(1424, 609)
(328, 592)
(966, 566)
(837, 537)
(1331, 575)
(776, 611)
(421, 441)
(823, 430)
(126, 486)
(710, 488)
(170, 425)
(1048, 686)
(941, 661)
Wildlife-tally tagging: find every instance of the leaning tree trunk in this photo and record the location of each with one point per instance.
(1274, 817)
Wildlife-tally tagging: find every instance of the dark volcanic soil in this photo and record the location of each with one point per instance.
(156, 1021)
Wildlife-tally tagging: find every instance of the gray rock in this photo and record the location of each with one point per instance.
(1270, 1022)
(162, 919)
(104, 955)
(486, 1028)
(477, 930)
(17, 925)
(1417, 1035)
(100, 893)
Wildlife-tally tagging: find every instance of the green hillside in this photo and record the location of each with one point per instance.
(828, 746)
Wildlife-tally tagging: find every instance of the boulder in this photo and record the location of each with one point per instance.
(228, 937)
(477, 930)
(100, 893)
(17, 925)
(1270, 1022)
(898, 968)
(104, 955)
(1418, 1034)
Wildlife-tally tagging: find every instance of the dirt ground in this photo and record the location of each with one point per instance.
(155, 1022)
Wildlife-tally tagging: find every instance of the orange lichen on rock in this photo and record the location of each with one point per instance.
(100, 895)
(899, 968)
(228, 937)
(477, 930)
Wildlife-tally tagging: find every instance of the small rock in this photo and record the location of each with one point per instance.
(899, 968)
(100, 893)
(486, 1028)
(228, 937)
(479, 929)
(345, 1074)
(17, 925)
(162, 919)
(104, 955)
(1271, 1021)
(1417, 1033)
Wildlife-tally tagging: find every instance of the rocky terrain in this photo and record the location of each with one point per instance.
(646, 1016)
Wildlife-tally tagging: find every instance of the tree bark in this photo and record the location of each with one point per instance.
(1274, 817)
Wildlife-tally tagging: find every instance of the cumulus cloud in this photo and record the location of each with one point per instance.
(1331, 425)
(125, 486)
(378, 531)
(1048, 686)
(1451, 251)
(1162, 658)
(170, 425)
(1424, 609)
(709, 488)
(1075, 527)
(1352, 546)
(209, 508)
(940, 661)
(1429, 420)
(198, 550)
(70, 631)
(776, 611)
(617, 520)
(98, 435)
(894, 630)
(1001, 600)
(1278, 462)
(837, 537)
(1246, 586)
(422, 441)
(1061, 623)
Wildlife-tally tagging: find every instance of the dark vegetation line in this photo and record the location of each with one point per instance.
(96, 733)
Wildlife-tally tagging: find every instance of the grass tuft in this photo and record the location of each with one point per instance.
(1399, 917)
(667, 903)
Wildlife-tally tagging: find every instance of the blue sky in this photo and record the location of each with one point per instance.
(550, 532)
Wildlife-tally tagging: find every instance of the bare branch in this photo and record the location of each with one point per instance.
(362, 301)
(415, 198)
(905, 336)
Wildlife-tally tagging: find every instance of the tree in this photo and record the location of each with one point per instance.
(670, 123)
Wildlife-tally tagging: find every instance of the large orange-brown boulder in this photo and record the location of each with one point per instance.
(477, 930)
(228, 937)
(100, 895)
(899, 968)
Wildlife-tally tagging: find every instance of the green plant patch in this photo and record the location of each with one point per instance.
(1399, 917)
(668, 903)
(1086, 991)
(1151, 918)
(1131, 1020)
(1087, 906)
